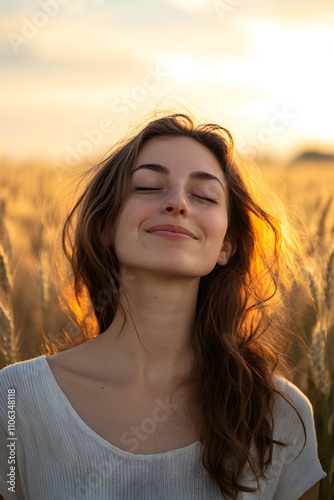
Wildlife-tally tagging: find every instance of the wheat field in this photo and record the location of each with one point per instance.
(33, 200)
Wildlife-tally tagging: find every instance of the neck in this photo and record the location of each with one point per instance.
(161, 313)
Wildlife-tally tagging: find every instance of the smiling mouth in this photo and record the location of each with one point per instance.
(172, 232)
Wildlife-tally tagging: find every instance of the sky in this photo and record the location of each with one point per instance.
(77, 75)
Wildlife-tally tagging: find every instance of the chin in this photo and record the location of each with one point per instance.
(168, 266)
(178, 271)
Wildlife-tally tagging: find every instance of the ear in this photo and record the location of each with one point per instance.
(227, 251)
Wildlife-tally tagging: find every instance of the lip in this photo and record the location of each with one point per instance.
(164, 229)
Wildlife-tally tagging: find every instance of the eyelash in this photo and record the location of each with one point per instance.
(209, 200)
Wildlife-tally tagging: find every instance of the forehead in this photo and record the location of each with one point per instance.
(179, 154)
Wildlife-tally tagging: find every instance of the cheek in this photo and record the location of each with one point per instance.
(215, 227)
(128, 222)
(134, 211)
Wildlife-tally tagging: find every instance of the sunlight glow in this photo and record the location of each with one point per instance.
(95, 62)
(189, 5)
(181, 67)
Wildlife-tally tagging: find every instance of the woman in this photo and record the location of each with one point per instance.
(179, 396)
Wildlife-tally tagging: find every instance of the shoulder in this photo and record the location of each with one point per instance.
(31, 369)
(28, 366)
(290, 398)
(22, 373)
(289, 392)
(293, 417)
(295, 465)
(22, 383)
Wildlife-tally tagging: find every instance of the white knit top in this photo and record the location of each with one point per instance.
(56, 456)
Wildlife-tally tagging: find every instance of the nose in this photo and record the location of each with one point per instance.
(175, 203)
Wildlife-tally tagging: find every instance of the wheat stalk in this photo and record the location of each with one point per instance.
(314, 287)
(9, 344)
(323, 217)
(4, 237)
(44, 279)
(330, 426)
(318, 359)
(329, 282)
(5, 277)
(331, 472)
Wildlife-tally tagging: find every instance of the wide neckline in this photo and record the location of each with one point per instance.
(100, 439)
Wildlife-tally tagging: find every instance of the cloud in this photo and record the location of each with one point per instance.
(294, 13)
(66, 77)
(197, 6)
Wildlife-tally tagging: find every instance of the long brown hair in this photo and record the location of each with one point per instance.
(240, 308)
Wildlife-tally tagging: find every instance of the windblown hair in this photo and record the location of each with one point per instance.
(240, 314)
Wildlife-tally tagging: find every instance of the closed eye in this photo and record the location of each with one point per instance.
(209, 200)
(204, 198)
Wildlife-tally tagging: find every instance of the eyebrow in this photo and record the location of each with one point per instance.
(161, 169)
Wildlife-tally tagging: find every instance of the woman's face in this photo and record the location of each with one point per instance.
(174, 219)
